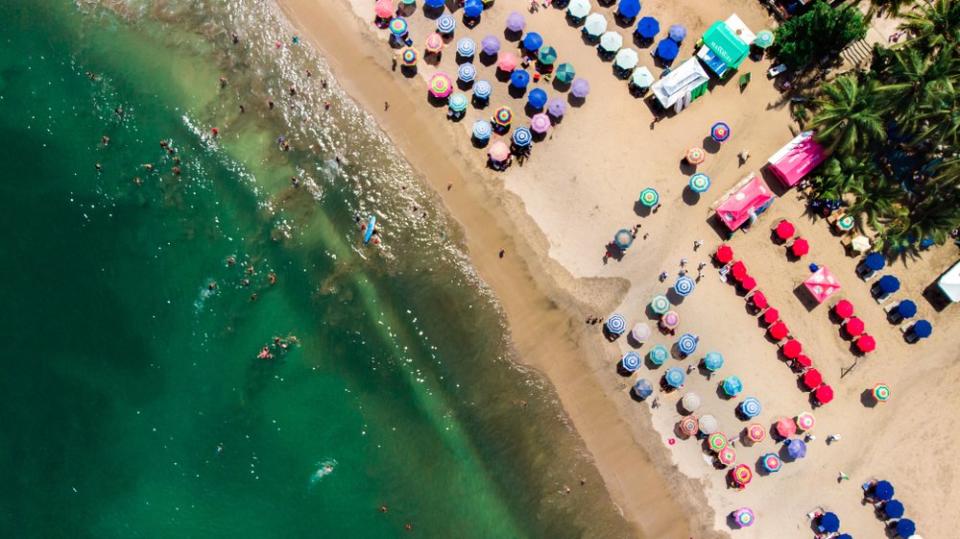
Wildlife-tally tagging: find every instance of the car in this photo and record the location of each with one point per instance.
(776, 70)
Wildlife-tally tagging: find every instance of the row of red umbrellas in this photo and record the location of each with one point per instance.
(784, 231)
(854, 327)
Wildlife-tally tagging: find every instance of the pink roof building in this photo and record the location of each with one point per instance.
(795, 160)
(749, 198)
(822, 284)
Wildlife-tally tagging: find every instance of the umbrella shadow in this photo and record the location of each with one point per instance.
(690, 197)
(650, 364)
(502, 76)
(651, 315)
(464, 85)
(801, 293)
(433, 58)
(710, 145)
(479, 143)
(437, 102)
(622, 371)
(732, 522)
(867, 399)
(606, 3)
(530, 110)
(516, 92)
(608, 335)
(721, 394)
(406, 10)
(560, 86)
(479, 103)
(510, 35)
(623, 22)
(605, 56)
(675, 299)
(432, 13)
(588, 39)
(572, 22)
(620, 73)
(686, 168)
(575, 101)
(633, 342)
(408, 71)
(641, 42)
(487, 59)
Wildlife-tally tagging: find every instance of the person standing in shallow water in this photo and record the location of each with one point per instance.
(502, 252)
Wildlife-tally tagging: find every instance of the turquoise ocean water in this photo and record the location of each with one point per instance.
(135, 302)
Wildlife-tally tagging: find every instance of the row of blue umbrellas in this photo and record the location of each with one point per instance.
(471, 8)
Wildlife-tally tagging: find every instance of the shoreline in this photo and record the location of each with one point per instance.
(528, 283)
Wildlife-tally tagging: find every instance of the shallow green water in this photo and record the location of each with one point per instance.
(133, 402)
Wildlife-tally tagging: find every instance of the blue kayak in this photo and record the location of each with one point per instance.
(368, 233)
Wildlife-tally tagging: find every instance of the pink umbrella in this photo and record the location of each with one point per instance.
(384, 9)
(507, 61)
(540, 123)
(786, 427)
(499, 151)
(434, 42)
(727, 456)
(440, 85)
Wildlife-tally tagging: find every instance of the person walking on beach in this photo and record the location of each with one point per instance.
(697, 244)
(386, 106)
(743, 156)
(502, 252)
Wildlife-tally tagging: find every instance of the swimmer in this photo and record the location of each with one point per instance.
(292, 90)
(244, 282)
(99, 167)
(164, 144)
(235, 38)
(137, 181)
(383, 508)
(176, 171)
(272, 278)
(212, 285)
(270, 104)
(118, 111)
(148, 166)
(105, 140)
(242, 109)
(231, 260)
(223, 81)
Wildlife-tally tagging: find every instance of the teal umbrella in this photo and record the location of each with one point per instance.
(649, 197)
(732, 386)
(713, 361)
(660, 304)
(699, 182)
(566, 73)
(658, 355)
(547, 55)
(458, 102)
(764, 39)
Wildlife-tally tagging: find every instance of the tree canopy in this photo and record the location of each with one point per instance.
(819, 31)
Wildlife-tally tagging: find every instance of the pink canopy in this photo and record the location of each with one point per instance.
(822, 284)
(795, 160)
(499, 151)
(752, 197)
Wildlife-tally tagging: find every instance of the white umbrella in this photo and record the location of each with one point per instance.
(860, 244)
(640, 332)
(626, 59)
(595, 24)
(690, 402)
(708, 424)
(611, 41)
(642, 77)
(579, 9)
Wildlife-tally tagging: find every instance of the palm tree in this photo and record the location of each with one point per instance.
(846, 174)
(912, 80)
(933, 217)
(887, 8)
(935, 26)
(849, 115)
(938, 117)
(879, 202)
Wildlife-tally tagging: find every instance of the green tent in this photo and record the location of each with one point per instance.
(725, 44)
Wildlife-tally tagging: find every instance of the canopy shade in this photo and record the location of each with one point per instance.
(725, 44)
(822, 284)
(796, 159)
(751, 198)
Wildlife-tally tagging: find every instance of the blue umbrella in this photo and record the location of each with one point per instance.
(883, 490)
(630, 361)
(642, 388)
(482, 129)
(713, 361)
(482, 89)
(466, 72)
(472, 8)
(435, 4)
(616, 324)
(466, 47)
(674, 377)
(648, 27)
(522, 138)
(519, 79)
(829, 523)
(797, 449)
(668, 49)
(906, 528)
(906, 308)
(750, 407)
(922, 329)
(875, 261)
(677, 32)
(532, 41)
(628, 9)
(893, 509)
(446, 24)
(684, 286)
(537, 98)
(687, 344)
(888, 284)
(732, 386)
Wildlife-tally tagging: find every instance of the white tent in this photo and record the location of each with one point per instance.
(949, 283)
(679, 82)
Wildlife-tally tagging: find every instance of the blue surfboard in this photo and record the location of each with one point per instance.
(368, 233)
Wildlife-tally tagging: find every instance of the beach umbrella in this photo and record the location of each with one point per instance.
(408, 56)
(440, 85)
(482, 89)
(843, 309)
(708, 424)
(556, 107)
(630, 361)
(800, 247)
(507, 61)
(658, 355)
(522, 138)
(642, 388)
(398, 26)
(519, 79)
(626, 59)
(695, 155)
(875, 261)
(883, 490)
(771, 462)
(623, 238)
(860, 244)
(435, 4)
(812, 379)
(846, 223)
(408, 2)
(796, 448)
(823, 394)
(640, 332)
(677, 32)
(738, 269)
(906, 309)
(537, 98)
(716, 441)
(670, 320)
(805, 421)
(384, 9)
(547, 55)
(853, 326)
(472, 8)
(675, 377)
(540, 123)
(434, 43)
(713, 361)
(466, 72)
(690, 402)
(786, 427)
(503, 116)
(759, 300)
(881, 392)
(756, 432)
(829, 523)
(750, 407)
(792, 348)
(466, 47)
(611, 41)
(720, 131)
(689, 425)
(578, 9)
(482, 130)
(499, 151)
(660, 304)
(684, 286)
(921, 329)
(532, 41)
(458, 102)
(888, 284)
(515, 22)
(687, 344)
(667, 50)
(764, 39)
(446, 24)
(803, 362)
(727, 456)
(771, 315)
(565, 73)
(699, 182)
(893, 509)
(732, 386)
(905, 528)
(616, 324)
(580, 88)
(778, 331)
(642, 77)
(742, 475)
(490, 45)
(744, 517)
(866, 343)
(628, 9)
(724, 254)
(649, 197)
(648, 27)
(595, 24)
(748, 283)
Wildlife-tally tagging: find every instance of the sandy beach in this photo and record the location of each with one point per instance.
(554, 215)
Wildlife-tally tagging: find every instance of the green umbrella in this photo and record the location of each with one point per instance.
(660, 304)
(846, 223)
(658, 354)
(764, 39)
(458, 102)
(649, 197)
(547, 55)
(565, 73)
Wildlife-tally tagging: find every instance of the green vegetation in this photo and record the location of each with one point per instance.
(895, 134)
(821, 30)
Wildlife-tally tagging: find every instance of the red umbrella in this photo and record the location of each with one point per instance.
(803, 362)
(812, 379)
(784, 230)
(738, 270)
(800, 247)
(771, 315)
(843, 309)
(866, 343)
(786, 427)
(792, 348)
(854, 326)
(724, 254)
(759, 300)
(748, 283)
(823, 394)
(778, 331)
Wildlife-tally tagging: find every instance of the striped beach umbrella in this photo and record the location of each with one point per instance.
(690, 401)
(440, 85)
(764, 39)
(398, 26)
(565, 73)
(630, 361)
(699, 182)
(687, 344)
(670, 320)
(611, 42)
(482, 130)
(742, 475)
(434, 43)
(744, 517)
(499, 151)
(881, 392)
(482, 89)
(649, 197)
(458, 102)
(675, 377)
(408, 56)
(727, 456)
(642, 388)
(756, 432)
(658, 355)
(578, 9)
(720, 131)
(446, 24)
(490, 45)
(522, 137)
(540, 123)
(732, 385)
(660, 304)
(626, 59)
(466, 47)
(708, 424)
(689, 425)
(684, 286)
(750, 407)
(640, 332)
(713, 361)
(595, 24)
(466, 72)
(717, 441)
(771, 462)
(547, 55)
(805, 421)
(695, 155)
(503, 116)
(616, 324)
